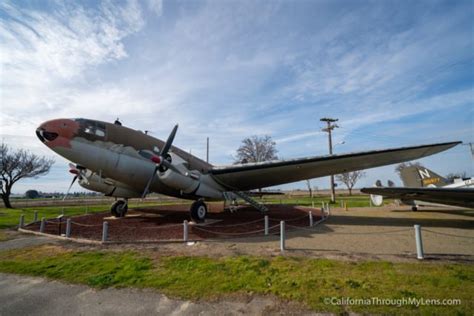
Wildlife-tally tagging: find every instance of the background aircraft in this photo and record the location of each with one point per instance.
(425, 187)
(128, 163)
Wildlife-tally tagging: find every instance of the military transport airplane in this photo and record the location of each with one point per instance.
(126, 163)
(424, 187)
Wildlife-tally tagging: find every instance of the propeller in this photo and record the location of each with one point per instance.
(77, 174)
(162, 161)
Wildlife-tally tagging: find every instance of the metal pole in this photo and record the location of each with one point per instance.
(207, 151)
(22, 221)
(105, 231)
(35, 218)
(185, 231)
(329, 129)
(310, 219)
(282, 236)
(43, 223)
(419, 242)
(68, 228)
(266, 225)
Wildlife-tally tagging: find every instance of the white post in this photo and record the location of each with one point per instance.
(35, 218)
(370, 202)
(22, 221)
(185, 231)
(266, 225)
(312, 203)
(342, 204)
(282, 236)
(68, 228)
(43, 222)
(310, 219)
(419, 242)
(105, 231)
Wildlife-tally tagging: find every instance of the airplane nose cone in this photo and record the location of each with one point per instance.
(57, 132)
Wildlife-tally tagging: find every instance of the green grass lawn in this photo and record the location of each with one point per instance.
(352, 201)
(308, 281)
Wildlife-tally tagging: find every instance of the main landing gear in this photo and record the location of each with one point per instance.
(119, 208)
(414, 208)
(198, 211)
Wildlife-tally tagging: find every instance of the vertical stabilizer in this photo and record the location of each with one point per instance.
(418, 177)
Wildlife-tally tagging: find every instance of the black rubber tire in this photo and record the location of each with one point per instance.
(119, 208)
(198, 211)
(414, 208)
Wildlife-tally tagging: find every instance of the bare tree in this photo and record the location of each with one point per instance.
(350, 178)
(256, 149)
(17, 165)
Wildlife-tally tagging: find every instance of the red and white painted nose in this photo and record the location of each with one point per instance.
(57, 133)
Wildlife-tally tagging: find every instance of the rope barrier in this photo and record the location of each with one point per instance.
(235, 225)
(289, 220)
(149, 227)
(445, 234)
(85, 225)
(234, 234)
(372, 233)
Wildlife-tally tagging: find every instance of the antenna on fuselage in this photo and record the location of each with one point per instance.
(117, 122)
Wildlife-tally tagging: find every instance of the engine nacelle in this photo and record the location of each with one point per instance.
(109, 188)
(189, 184)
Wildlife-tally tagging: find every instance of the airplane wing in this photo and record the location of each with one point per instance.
(456, 196)
(251, 176)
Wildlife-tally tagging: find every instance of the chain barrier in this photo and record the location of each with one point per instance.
(445, 234)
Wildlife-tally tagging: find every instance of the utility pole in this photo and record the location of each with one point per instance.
(330, 126)
(207, 151)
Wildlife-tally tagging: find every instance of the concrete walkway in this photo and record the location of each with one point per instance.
(20, 295)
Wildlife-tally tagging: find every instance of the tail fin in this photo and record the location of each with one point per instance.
(418, 177)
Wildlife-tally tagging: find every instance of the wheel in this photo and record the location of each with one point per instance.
(414, 208)
(119, 208)
(198, 211)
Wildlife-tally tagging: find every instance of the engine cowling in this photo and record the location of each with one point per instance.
(189, 183)
(109, 188)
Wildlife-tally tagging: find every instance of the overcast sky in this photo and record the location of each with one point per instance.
(395, 73)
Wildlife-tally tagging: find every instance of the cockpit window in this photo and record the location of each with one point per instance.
(92, 128)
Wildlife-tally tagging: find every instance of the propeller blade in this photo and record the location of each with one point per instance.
(70, 186)
(147, 187)
(168, 143)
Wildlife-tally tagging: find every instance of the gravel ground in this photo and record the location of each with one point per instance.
(166, 223)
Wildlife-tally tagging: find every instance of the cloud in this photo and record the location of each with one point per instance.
(227, 70)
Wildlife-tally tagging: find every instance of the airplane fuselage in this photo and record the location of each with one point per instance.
(111, 152)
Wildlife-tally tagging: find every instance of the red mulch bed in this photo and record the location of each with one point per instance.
(166, 223)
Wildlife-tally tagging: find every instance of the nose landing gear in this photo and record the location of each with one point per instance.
(198, 211)
(119, 208)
